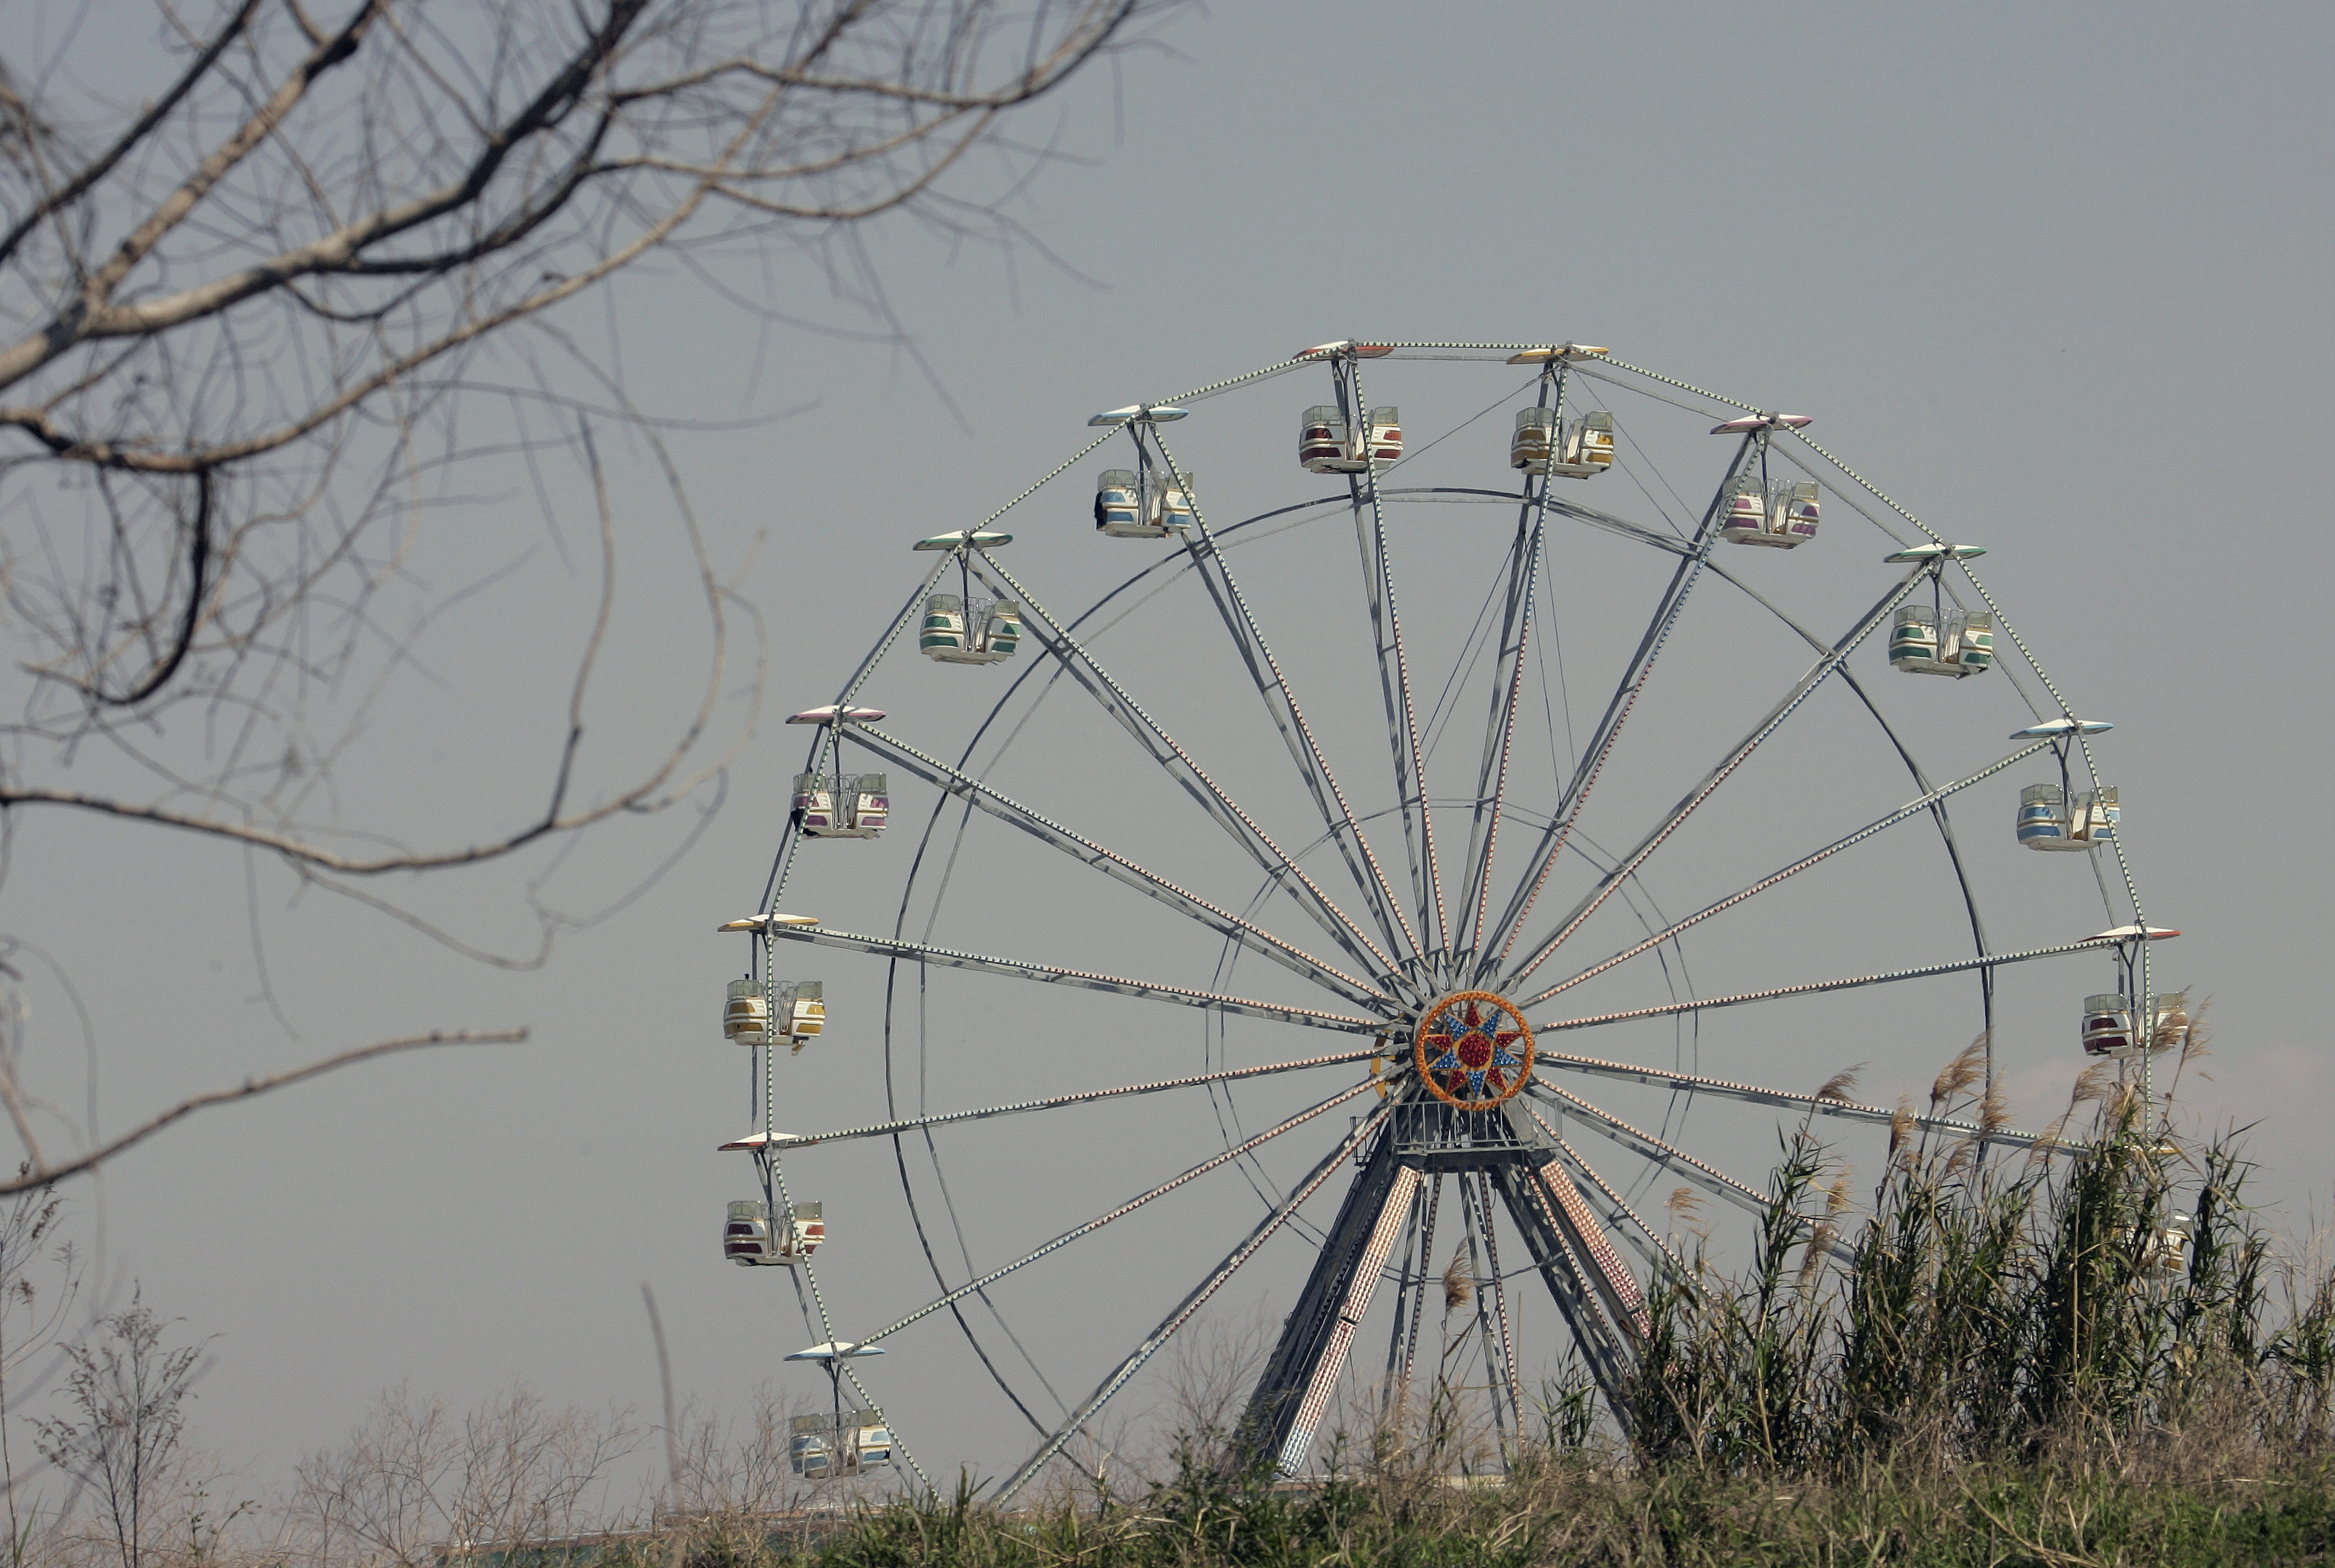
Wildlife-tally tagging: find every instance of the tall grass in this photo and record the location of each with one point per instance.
(1992, 1310)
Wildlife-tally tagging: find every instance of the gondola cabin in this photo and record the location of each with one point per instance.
(819, 1447)
(1327, 443)
(959, 631)
(1745, 520)
(1173, 508)
(746, 1015)
(1588, 447)
(1543, 444)
(2108, 1025)
(1118, 509)
(1792, 508)
(1781, 514)
(1535, 443)
(749, 1240)
(2046, 821)
(842, 805)
(1321, 440)
(1957, 643)
(802, 1011)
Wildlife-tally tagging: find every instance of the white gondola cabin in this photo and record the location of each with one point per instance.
(1781, 513)
(1118, 509)
(1327, 442)
(802, 1011)
(1543, 444)
(2046, 821)
(1172, 507)
(819, 1447)
(750, 1241)
(961, 631)
(1323, 441)
(2108, 1025)
(1927, 642)
(1588, 447)
(842, 805)
(1533, 445)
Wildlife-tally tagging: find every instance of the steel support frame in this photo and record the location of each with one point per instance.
(1594, 1292)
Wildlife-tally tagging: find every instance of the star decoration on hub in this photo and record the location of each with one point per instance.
(1473, 1050)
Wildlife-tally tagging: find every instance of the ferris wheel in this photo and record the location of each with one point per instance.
(1494, 852)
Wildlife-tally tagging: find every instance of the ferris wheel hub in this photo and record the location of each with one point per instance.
(1473, 1050)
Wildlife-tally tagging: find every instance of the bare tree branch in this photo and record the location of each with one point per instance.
(40, 1176)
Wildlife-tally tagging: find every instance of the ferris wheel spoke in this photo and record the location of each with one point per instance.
(1078, 979)
(792, 1140)
(1799, 693)
(1121, 1212)
(1646, 1145)
(1125, 1372)
(1912, 809)
(1402, 721)
(1394, 690)
(1756, 1094)
(1817, 987)
(1116, 866)
(1618, 708)
(1281, 702)
(1178, 764)
(1499, 728)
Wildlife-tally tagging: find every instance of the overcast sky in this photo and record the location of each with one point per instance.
(2053, 279)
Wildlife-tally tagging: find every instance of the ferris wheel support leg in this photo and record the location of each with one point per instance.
(1799, 693)
(1294, 1394)
(1617, 713)
(1177, 764)
(1574, 1281)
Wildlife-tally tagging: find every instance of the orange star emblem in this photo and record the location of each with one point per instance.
(1473, 1050)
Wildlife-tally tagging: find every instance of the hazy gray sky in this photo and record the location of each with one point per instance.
(2054, 279)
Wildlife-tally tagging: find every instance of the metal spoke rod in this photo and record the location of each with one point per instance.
(1121, 1212)
(1849, 1110)
(1783, 710)
(1618, 708)
(790, 1140)
(1281, 704)
(1119, 867)
(1076, 979)
(1158, 1337)
(1646, 1145)
(1499, 728)
(1179, 765)
(1394, 690)
(1911, 809)
(1887, 977)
